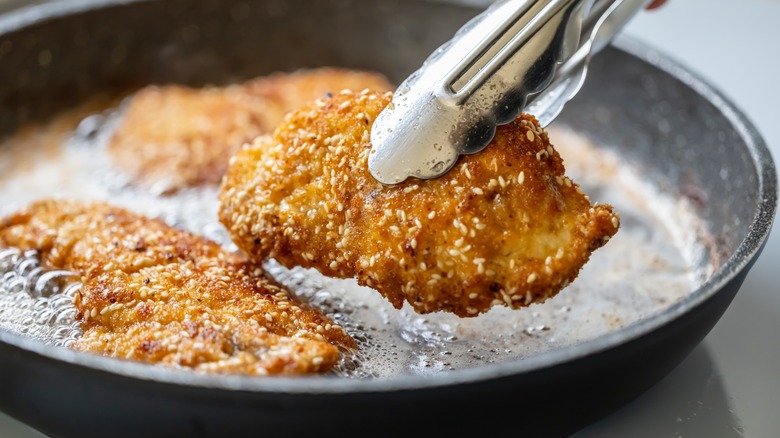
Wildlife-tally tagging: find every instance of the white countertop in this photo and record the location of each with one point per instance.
(730, 385)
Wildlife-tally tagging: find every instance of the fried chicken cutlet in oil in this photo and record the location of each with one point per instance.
(171, 137)
(505, 226)
(157, 294)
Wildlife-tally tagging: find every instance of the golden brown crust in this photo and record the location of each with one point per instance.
(161, 295)
(171, 137)
(286, 92)
(503, 227)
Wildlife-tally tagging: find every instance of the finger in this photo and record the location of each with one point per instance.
(656, 4)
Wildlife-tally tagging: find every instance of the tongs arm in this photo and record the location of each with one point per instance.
(494, 67)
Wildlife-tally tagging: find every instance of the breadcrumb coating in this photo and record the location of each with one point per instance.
(157, 294)
(171, 137)
(505, 226)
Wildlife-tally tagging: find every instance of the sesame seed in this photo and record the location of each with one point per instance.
(431, 215)
(530, 135)
(531, 278)
(477, 190)
(615, 222)
(507, 298)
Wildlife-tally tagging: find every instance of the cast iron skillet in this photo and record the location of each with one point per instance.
(56, 54)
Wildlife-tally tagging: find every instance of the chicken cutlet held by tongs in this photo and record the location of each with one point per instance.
(505, 226)
(446, 194)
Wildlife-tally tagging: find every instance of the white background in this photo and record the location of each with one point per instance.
(730, 385)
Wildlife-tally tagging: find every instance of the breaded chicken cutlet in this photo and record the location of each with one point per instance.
(503, 227)
(157, 294)
(171, 137)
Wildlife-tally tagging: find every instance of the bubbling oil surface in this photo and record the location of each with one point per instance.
(657, 257)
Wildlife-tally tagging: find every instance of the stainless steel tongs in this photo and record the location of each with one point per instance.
(518, 55)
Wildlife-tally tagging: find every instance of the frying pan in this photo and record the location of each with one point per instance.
(688, 139)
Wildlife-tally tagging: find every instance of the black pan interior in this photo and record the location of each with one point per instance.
(210, 41)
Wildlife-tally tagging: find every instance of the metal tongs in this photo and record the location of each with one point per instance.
(517, 55)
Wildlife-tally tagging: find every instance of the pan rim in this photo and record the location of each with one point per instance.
(735, 264)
